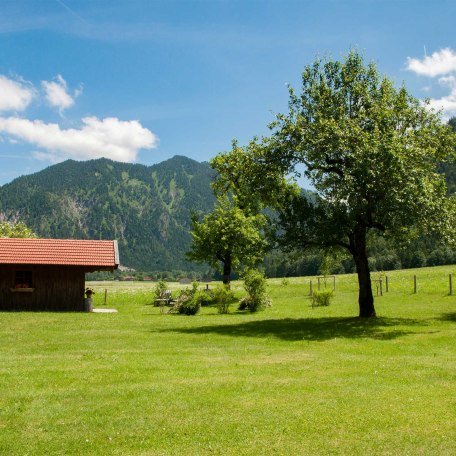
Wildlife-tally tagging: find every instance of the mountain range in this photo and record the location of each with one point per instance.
(146, 208)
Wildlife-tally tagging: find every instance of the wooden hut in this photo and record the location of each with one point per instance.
(49, 274)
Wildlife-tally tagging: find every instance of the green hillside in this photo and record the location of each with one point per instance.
(146, 208)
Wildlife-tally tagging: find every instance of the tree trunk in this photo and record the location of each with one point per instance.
(366, 298)
(227, 270)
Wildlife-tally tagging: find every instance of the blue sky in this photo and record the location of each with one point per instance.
(142, 81)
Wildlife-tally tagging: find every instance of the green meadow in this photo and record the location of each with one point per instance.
(289, 380)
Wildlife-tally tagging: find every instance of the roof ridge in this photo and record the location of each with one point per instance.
(64, 252)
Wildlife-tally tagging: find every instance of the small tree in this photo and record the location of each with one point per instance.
(228, 238)
(255, 286)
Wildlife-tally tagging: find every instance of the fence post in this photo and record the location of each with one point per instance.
(318, 278)
(310, 289)
(450, 276)
(381, 288)
(106, 296)
(334, 283)
(386, 284)
(414, 284)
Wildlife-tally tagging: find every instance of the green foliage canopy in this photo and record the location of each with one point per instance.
(228, 238)
(247, 178)
(15, 230)
(371, 152)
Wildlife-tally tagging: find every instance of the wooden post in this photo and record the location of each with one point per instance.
(381, 288)
(106, 296)
(386, 284)
(310, 289)
(414, 284)
(334, 283)
(450, 277)
(318, 278)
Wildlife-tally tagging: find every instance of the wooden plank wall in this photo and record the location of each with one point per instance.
(55, 288)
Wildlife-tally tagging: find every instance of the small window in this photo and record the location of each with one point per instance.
(23, 279)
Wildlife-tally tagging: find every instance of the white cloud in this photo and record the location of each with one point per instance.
(14, 95)
(109, 137)
(95, 138)
(57, 94)
(447, 103)
(439, 63)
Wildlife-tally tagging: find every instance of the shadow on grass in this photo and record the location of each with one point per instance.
(317, 329)
(448, 317)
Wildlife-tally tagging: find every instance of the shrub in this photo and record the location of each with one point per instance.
(207, 297)
(223, 297)
(190, 306)
(244, 303)
(189, 301)
(159, 291)
(322, 298)
(255, 286)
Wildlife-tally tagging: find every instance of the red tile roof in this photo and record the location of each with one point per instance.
(62, 252)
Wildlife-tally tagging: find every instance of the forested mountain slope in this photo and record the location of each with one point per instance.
(146, 208)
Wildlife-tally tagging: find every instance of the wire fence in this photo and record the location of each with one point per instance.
(382, 284)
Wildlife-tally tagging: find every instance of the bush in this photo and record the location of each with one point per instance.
(322, 298)
(255, 286)
(223, 297)
(159, 291)
(190, 306)
(189, 301)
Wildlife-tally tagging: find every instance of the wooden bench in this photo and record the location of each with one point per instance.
(165, 299)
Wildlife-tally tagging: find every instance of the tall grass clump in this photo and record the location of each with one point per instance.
(322, 298)
(255, 286)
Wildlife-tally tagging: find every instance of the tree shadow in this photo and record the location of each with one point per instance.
(448, 317)
(315, 329)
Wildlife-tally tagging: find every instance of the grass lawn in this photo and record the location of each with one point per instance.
(289, 380)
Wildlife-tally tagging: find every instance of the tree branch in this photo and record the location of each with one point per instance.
(377, 225)
(326, 169)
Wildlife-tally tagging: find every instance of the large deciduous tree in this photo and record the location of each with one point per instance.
(371, 152)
